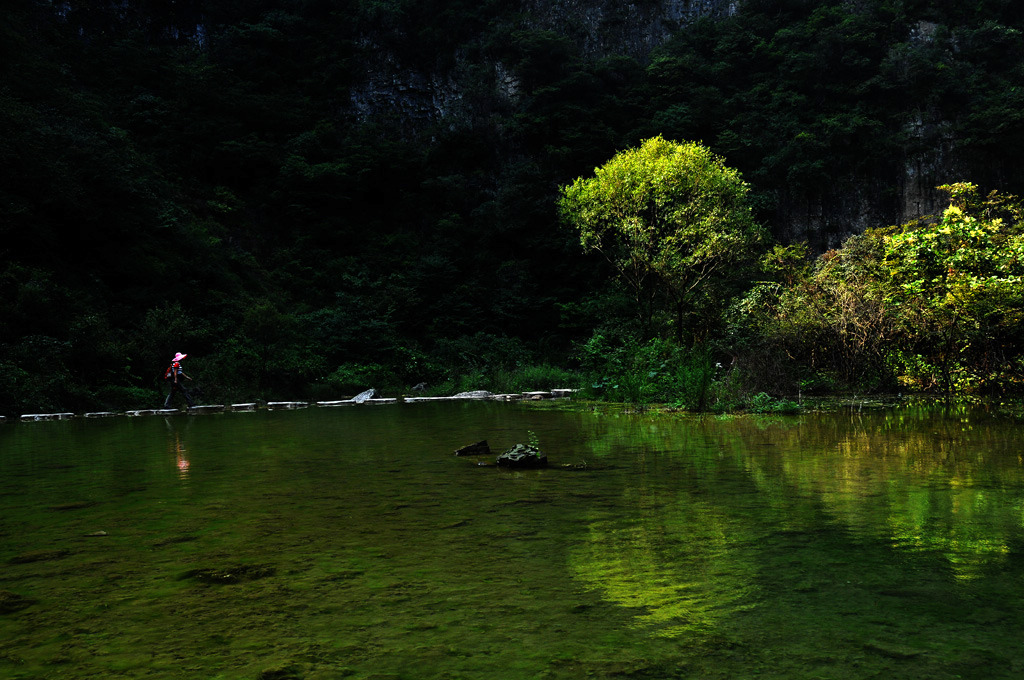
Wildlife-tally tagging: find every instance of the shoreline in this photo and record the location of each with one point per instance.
(538, 395)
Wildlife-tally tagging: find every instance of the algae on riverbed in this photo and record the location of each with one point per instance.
(351, 543)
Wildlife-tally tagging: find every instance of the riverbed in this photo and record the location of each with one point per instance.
(352, 543)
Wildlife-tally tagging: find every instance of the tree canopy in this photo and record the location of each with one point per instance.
(675, 223)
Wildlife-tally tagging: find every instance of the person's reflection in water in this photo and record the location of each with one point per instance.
(177, 448)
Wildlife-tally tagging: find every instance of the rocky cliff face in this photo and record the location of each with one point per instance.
(418, 93)
(412, 94)
(602, 27)
(416, 96)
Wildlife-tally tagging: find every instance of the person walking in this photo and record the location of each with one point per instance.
(176, 377)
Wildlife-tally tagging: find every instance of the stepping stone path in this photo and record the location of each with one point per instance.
(364, 398)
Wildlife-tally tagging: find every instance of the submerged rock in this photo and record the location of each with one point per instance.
(479, 449)
(576, 466)
(73, 505)
(12, 602)
(893, 650)
(522, 456)
(236, 574)
(38, 556)
(289, 672)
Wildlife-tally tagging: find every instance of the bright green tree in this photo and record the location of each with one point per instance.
(958, 284)
(674, 222)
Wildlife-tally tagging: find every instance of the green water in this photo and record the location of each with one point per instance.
(351, 543)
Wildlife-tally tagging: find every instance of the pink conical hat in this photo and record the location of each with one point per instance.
(179, 356)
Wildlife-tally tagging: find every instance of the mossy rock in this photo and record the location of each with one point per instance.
(523, 456)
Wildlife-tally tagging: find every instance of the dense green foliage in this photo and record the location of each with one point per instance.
(194, 176)
(674, 223)
(934, 305)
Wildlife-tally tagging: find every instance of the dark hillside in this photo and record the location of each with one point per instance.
(311, 197)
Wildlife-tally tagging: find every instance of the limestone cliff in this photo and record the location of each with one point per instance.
(413, 86)
(417, 92)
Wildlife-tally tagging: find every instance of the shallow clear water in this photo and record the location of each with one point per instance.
(351, 543)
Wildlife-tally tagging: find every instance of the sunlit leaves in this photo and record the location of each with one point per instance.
(672, 218)
(957, 283)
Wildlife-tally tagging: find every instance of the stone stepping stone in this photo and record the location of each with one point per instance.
(287, 404)
(243, 407)
(416, 400)
(99, 414)
(34, 417)
(207, 408)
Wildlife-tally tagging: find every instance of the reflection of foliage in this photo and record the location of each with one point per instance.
(911, 481)
(966, 538)
(904, 478)
(683, 568)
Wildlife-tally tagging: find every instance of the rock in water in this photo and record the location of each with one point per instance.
(479, 449)
(229, 575)
(363, 396)
(522, 456)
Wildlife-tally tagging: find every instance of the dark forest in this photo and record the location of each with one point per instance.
(213, 177)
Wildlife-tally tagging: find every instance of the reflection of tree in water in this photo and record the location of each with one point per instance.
(920, 481)
(709, 494)
(683, 565)
(675, 553)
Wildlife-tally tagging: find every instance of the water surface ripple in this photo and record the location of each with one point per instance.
(351, 543)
